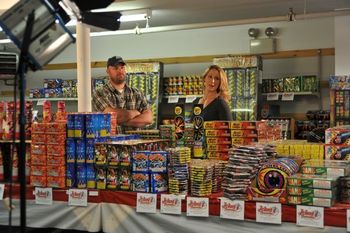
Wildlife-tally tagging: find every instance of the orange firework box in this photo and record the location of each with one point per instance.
(38, 138)
(244, 133)
(56, 182)
(56, 171)
(56, 139)
(38, 170)
(38, 128)
(39, 181)
(217, 125)
(244, 140)
(56, 127)
(218, 133)
(38, 149)
(55, 161)
(56, 150)
(217, 155)
(38, 159)
(243, 125)
(219, 140)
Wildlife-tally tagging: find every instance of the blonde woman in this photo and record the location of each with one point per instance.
(215, 95)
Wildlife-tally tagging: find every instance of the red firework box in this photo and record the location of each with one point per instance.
(244, 133)
(47, 111)
(38, 160)
(56, 171)
(243, 125)
(338, 135)
(56, 182)
(244, 140)
(39, 128)
(38, 170)
(56, 128)
(217, 133)
(38, 149)
(39, 181)
(56, 161)
(56, 139)
(217, 125)
(275, 195)
(217, 155)
(221, 148)
(219, 140)
(56, 150)
(38, 138)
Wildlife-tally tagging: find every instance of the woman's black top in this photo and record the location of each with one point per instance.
(217, 110)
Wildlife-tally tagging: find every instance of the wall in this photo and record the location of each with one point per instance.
(302, 34)
(342, 45)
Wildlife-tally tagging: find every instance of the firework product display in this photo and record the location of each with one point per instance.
(339, 100)
(242, 74)
(178, 169)
(183, 85)
(131, 163)
(305, 83)
(337, 152)
(146, 78)
(198, 131)
(242, 166)
(55, 88)
(168, 132)
(218, 139)
(179, 123)
(338, 135)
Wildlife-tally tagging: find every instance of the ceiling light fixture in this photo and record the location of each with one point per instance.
(135, 15)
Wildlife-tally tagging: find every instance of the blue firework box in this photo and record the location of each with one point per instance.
(140, 182)
(80, 148)
(70, 150)
(159, 182)
(140, 161)
(93, 123)
(158, 161)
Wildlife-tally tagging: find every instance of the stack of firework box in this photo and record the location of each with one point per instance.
(338, 143)
(55, 88)
(83, 131)
(10, 127)
(48, 155)
(168, 132)
(149, 170)
(221, 135)
(130, 165)
(311, 189)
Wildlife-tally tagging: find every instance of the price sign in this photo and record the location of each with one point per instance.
(269, 212)
(43, 196)
(170, 204)
(231, 209)
(287, 96)
(77, 197)
(146, 203)
(272, 96)
(190, 99)
(310, 216)
(197, 207)
(2, 189)
(173, 99)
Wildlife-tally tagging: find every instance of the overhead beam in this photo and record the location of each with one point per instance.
(205, 58)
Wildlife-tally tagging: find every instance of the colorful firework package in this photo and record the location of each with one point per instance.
(178, 169)
(198, 131)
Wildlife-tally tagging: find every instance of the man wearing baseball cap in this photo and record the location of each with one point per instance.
(129, 103)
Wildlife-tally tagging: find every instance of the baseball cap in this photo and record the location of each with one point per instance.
(113, 61)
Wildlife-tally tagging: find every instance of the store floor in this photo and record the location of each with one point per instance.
(8, 229)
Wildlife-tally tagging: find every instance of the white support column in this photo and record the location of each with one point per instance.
(83, 67)
(342, 45)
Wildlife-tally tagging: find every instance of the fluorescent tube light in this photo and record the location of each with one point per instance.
(136, 15)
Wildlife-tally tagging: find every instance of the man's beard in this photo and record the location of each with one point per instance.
(118, 81)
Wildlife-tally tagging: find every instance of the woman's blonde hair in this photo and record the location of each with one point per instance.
(223, 87)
